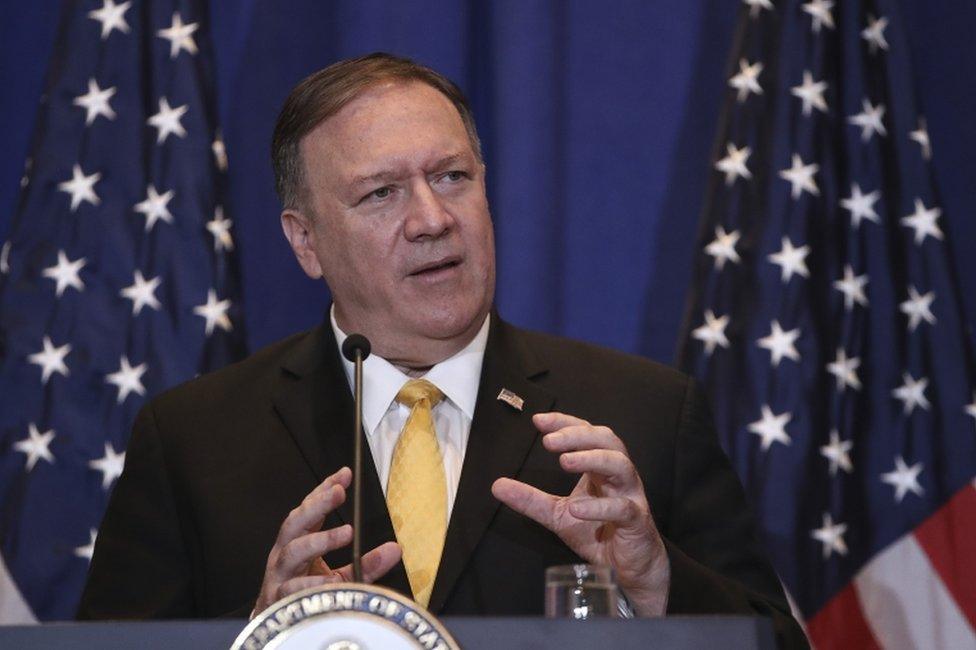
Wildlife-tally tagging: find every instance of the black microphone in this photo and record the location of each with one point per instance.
(356, 348)
(355, 343)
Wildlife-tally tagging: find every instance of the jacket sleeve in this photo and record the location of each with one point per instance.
(140, 568)
(718, 564)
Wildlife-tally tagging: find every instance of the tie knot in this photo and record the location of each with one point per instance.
(418, 389)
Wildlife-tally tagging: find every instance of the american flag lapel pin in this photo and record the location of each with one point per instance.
(511, 399)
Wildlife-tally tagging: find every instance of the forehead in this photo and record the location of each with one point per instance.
(390, 122)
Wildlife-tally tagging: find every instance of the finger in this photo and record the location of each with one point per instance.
(319, 567)
(296, 555)
(342, 476)
(310, 514)
(549, 422)
(376, 564)
(294, 585)
(614, 466)
(380, 560)
(525, 499)
(579, 437)
(617, 510)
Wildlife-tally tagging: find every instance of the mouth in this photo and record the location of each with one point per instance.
(436, 268)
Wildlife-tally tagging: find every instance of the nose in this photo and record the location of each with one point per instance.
(427, 217)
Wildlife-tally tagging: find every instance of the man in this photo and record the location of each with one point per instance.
(481, 475)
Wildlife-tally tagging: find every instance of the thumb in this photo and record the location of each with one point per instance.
(526, 500)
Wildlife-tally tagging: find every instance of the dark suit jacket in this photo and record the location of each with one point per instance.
(215, 465)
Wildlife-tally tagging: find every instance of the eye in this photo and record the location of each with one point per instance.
(453, 177)
(378, 194)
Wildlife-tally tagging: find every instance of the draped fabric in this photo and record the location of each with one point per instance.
(119, 278)
(824, 323)
(597, 118)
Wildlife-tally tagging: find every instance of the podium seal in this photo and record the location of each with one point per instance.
(345, 616)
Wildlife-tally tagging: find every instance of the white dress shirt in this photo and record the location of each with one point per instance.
(383, 417)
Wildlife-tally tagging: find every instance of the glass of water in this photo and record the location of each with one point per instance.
(581, 592)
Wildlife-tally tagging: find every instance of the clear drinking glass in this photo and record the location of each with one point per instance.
(581, 592)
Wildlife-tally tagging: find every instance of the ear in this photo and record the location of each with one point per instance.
(299, 232)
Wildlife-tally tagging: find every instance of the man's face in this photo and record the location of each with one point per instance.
(397, 222)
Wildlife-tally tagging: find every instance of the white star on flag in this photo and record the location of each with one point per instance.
(5, 258)
(167, 120)
(747, 80)
(215, 313)
(921, 136)
(722, 248)
(772, 428)
(756, 5)
(219, 227)
(819, 10)
(25, 179)
(845, 370)
(852, 287)
(219, 152)
(127, 379)
(791, 260)
(110, 465)
(904, 479)
(811, 93)
(861, 206)
(180, 36)
(874, 33)
(800, 177)
(88, 550)
(869, 119)
(912, 393)
(65, 273)
(154, 206)
(918, 308)
(734, 163)
(95, 102)
(831, 535)
(924, 221)
(712, 333)
(971, 408)
(81, 187)
(780, 343)
(36, 446)
(51, 359)
(111, 16)
(837, 453)
(142, 293)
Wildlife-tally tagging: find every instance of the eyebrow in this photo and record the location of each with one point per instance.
(393, 174)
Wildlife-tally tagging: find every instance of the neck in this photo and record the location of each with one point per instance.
(412, 355)
(412, 372)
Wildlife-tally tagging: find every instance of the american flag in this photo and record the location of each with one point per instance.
(825, 322)
(118, 279)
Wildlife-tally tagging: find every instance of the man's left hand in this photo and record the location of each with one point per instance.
(606, 518)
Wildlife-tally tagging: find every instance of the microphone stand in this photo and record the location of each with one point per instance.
(356, 348)
(357, 475)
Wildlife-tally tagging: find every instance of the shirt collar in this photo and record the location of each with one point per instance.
(457, 377)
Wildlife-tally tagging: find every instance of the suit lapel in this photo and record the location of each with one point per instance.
(500, 439)
(313, 399)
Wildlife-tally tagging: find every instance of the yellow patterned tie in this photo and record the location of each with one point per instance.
(416, 493)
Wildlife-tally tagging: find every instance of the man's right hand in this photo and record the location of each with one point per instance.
(295, 561)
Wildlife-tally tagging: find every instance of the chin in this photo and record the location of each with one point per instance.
(448, 323)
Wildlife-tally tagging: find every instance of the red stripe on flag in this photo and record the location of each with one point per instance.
(948, 538)
(840, 624)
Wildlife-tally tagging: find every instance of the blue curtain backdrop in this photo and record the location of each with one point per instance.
(597, 118)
